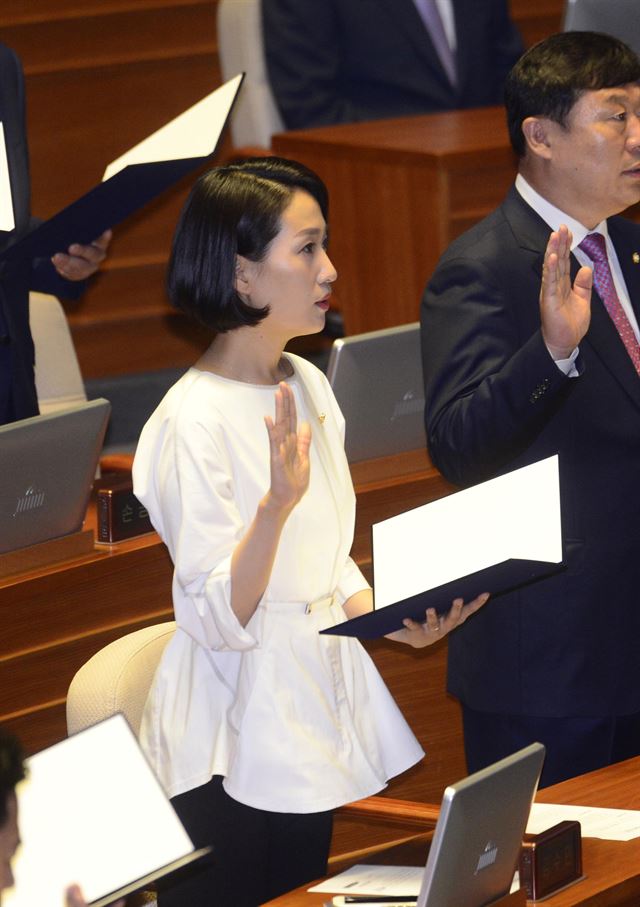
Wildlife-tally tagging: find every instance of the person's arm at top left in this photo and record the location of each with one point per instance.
(65, 273)
(80, 262)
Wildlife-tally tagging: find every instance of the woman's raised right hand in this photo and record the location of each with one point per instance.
(289, 449)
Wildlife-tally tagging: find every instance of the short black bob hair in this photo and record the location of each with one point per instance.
(11, 769)
(551, 76)
(232, 210)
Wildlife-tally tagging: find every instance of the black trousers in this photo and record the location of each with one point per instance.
(574, 745)
(257, 855)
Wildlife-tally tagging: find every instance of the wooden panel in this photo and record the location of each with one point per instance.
(536, 19)
(104, 37)
(27, 680)
(101, 77)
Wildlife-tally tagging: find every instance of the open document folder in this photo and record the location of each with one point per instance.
(91, 811)
(135, 178)
(492, 537)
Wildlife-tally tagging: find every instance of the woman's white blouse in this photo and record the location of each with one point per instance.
(294, 721)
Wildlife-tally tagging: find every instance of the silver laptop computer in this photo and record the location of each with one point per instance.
(47, 467)
(377, 380)
(477, 840)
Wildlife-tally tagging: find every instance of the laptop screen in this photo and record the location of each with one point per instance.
(478, 836)
(377, 380)
(47, 467)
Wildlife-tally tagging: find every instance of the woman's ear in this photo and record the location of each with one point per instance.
(243, 276)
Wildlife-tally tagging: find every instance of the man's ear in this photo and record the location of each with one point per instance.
(538, 133)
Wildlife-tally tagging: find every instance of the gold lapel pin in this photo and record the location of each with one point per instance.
(635, 258)
(321, 418)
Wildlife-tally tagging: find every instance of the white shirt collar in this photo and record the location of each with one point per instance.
(553, 216)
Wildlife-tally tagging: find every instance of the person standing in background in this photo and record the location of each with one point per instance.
(512, 378)
(341, 61)
(62, 276)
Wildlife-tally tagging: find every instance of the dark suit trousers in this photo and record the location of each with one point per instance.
(257, 855)
(574, 745)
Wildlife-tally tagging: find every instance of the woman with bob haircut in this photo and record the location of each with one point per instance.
(257, 726)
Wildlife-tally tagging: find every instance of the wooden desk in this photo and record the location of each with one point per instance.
(53, 619)
(612, 868)
(401, 190)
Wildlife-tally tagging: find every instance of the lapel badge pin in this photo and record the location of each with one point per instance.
(635, 258)
(321, 418)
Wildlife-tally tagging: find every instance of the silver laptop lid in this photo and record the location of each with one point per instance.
(377, 380)
(479, 832)
(47, 467)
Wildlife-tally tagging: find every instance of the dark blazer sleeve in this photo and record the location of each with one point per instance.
(490, 383)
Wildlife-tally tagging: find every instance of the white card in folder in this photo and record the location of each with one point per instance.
(91, 811)
(193, 133)
(516, 515)
(133, 179)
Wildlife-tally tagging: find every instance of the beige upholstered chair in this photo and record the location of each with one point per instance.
(117, 678)
(255, 116)
(59, 381)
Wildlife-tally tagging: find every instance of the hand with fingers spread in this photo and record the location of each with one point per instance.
(289, 449)
(434, 628)
(565, 310)
(80, 262)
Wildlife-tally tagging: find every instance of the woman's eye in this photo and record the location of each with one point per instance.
(309, 248)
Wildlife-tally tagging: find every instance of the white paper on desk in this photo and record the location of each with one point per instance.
(194, 133)
(513, 516)
(596, 822)
(91, 811)
(398, 881)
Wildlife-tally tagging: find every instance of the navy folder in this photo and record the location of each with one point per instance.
(497, 579)
(492, 537)
(112, 201)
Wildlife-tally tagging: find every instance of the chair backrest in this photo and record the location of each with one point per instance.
(117, 678)
(620, 18)
(255, 117)
(59, 381)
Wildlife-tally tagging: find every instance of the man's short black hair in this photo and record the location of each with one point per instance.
(11, 768)
(232, 210)
(551, 76)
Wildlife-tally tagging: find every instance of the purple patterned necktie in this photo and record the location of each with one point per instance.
(595, 246)
(431, 17)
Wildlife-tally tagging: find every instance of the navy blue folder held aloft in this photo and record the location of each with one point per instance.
(137, 177)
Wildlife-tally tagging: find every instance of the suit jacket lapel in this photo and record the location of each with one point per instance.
(532, 233)
(602, 335)
(408, 18)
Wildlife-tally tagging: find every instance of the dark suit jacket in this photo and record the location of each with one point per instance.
(339, 61)
(30, 275)
(569, 645)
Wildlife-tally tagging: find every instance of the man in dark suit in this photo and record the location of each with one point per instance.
(62, 276)
(340, 61)
(513, 375)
